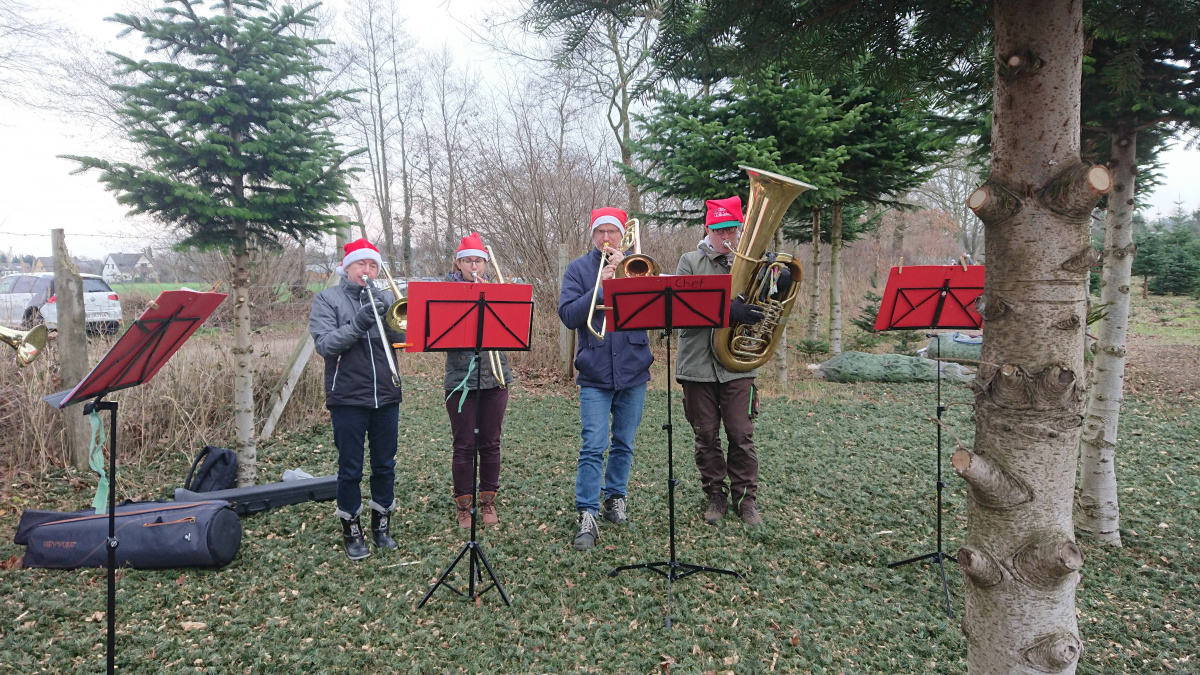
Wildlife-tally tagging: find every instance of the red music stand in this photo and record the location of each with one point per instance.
(444, 316)
(144, 348)
(932, 297)
(666, 303)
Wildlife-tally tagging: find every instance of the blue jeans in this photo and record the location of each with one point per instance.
(596, 407)
(351, 426)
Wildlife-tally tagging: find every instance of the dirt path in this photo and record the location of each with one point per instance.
(1161, 370)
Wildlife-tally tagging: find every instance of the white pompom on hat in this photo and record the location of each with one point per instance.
(359, 249)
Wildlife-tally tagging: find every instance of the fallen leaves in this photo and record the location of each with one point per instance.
(193, 625)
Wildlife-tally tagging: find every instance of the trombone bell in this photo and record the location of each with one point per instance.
(29, 344)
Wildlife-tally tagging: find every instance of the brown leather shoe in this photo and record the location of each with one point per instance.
(748, 510)
(463, 507)
(717, 506)
(487, 509)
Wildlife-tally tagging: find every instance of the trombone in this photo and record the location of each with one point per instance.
(387, 349)
(397, 313)
(29, 344)
(636, 264)
(493, 356)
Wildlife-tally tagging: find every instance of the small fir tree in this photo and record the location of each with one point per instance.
(235, 151)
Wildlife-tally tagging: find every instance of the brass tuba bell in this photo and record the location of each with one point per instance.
(741, 347)
(29, 344)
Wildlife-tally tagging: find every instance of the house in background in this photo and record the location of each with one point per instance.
(120, 267)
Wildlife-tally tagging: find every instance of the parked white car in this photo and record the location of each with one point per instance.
(28, 299)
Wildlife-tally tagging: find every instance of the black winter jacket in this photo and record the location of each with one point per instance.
(356, 367)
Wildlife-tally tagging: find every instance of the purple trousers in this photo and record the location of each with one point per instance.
(492, 404)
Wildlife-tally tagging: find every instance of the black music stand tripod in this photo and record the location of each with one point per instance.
(672, 568)
(910, 307)
(938, 555)
(140, 352)
(471, 550)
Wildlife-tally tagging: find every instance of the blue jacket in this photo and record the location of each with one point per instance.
(622, 359)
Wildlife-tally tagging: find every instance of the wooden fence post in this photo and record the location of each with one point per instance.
(566, 336)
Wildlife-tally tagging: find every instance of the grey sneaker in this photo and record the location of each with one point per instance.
(589, 532)
(614, 511)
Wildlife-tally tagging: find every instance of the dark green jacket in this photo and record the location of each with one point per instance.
(697, 360)
(458, 362)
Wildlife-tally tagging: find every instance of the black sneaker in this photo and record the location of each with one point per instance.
(589, 532)
(614, 511)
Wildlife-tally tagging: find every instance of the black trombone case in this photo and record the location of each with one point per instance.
(248, 501)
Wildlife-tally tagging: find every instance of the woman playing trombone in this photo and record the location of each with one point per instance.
(362, 392)
(468, 384)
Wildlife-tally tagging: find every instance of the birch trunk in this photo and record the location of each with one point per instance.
(1097, 512)
(243, 372)
(1020, 562)
(835, 281)
(814, 276)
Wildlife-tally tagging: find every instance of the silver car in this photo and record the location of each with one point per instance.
(28, 299)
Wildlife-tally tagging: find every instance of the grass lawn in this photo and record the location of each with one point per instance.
(153, 289)
(846, 487)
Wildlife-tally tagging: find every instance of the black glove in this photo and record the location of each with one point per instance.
(740, 312)
(365, 319)
(784, 282)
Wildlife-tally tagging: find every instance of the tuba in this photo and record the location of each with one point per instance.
(742, 347)
(29, 344)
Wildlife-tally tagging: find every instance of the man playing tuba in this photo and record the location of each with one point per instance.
(714, 395)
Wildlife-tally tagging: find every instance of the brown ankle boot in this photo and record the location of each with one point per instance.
(487, 509)
(463, 507)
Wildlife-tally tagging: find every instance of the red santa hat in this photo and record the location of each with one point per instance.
(609, 216)
(723, 213)
(471, 245)
(359, 249)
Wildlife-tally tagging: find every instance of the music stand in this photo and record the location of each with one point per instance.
(929, 297)
(450, 316)
(669, 302)
(145, 347)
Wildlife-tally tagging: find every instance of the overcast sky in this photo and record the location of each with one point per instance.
(38, 193)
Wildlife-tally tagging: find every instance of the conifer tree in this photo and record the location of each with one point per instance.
(235, 151)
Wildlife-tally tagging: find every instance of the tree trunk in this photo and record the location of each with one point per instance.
(1097, 511)
(898, 237)
(1020, 562)
(72, 345)
(243, 370)
(814, 280)
(835, 281)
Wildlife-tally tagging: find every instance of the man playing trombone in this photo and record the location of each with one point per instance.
(362, 391)
(613, 369)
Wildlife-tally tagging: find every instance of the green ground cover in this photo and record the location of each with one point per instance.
(846, 488)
